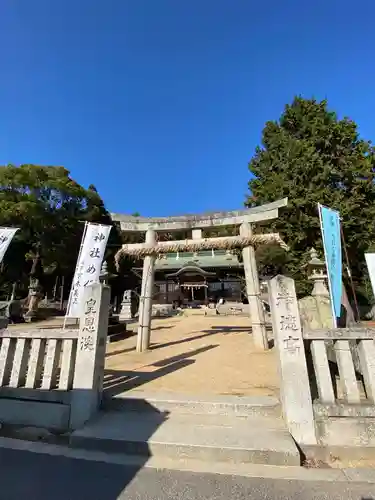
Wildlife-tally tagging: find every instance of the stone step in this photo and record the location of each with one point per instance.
(266, 406)
(208, 438)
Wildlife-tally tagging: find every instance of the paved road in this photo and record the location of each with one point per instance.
(25, 475)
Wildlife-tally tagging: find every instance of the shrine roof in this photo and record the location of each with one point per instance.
(203, 260)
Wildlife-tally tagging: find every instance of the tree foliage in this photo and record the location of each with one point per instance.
(311, 156)
(50, 209)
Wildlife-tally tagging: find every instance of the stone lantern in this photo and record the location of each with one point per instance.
(104, 278)
(35, 287)
(315, 309)
(316, 269)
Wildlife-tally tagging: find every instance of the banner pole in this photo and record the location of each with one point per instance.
(327, 268)
(62, 293)
(350, 274)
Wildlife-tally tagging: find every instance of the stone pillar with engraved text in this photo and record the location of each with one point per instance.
(91, 345)
(295, 388)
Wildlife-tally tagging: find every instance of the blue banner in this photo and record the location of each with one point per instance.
(330, 225)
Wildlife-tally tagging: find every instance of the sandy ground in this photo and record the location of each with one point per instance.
(193, 354)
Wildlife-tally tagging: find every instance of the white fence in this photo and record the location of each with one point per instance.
(327, 377)
(53, 377)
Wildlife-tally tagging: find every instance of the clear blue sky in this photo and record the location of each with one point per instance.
(160, 103)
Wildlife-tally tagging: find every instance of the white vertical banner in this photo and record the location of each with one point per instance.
(89, 263)
(6, 236)
(370, 261)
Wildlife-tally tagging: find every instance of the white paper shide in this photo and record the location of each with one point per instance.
(6, 236)
(88, 265)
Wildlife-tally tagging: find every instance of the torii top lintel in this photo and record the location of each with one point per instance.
(261, 213)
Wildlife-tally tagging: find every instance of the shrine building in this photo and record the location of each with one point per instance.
(198, 277)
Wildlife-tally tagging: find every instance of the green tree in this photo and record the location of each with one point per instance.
(50, 208)
(311, 156)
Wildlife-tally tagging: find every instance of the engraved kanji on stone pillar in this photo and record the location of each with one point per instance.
(295, 387)
(89, 367)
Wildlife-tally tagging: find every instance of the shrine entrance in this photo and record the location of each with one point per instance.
(193, 284)
(246, 240)
(196, 351)
(194, 293)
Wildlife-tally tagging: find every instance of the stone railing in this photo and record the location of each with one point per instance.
(341, 367)
(327, 377)
(53, 378)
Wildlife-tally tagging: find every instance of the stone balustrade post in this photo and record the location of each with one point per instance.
(90, 359)
(294, 380)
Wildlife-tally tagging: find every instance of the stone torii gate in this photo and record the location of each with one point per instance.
(196, 223)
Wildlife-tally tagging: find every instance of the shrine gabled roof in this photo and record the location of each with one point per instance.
(191, 267)
(205, 261)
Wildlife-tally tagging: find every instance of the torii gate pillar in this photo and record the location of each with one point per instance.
(195, 223)
(145, 300)
(258, 323)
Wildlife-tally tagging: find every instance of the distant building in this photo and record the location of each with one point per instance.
(198, 278)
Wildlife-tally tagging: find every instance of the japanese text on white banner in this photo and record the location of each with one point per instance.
(88, 265)
(6, 236)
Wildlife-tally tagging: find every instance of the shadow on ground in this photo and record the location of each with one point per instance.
(25, 474)
(132, 333)
(118, 381)
(215, 330)
(203, 334)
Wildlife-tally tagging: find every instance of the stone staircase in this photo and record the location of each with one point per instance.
(228, 429)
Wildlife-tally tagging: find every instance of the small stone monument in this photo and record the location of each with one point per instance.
(35, 288)
(315, 309)
(316, 270)
(104, 278)
(104, 274)
(126, 306)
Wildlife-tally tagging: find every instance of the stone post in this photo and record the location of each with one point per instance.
(35, 296)
(126, 306)
(35, 288)
(89, 366)
(253, 292)
(295, 388)
(316, 268)
(104, 274)
(145, 300)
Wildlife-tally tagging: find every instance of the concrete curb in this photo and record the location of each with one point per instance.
(290, 473)
(208, 438)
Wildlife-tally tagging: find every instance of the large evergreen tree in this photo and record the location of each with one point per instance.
(311, 156)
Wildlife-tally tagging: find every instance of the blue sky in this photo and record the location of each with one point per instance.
(160, 103)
